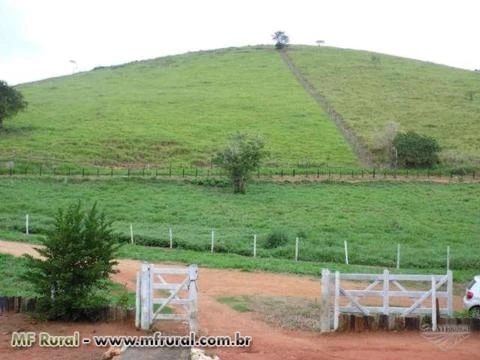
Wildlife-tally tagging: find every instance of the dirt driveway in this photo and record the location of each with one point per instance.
(218, 319)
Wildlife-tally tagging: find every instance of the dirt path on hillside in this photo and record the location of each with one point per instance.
(268, 342)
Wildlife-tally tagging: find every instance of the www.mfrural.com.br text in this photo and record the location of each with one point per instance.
(44, 339)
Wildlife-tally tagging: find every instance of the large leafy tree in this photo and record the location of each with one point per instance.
(241, 156)
(76, 258)
(11, 102)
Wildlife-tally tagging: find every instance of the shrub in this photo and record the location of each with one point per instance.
(276, 239)
(415, 150)
(240, 158)
(77, 259)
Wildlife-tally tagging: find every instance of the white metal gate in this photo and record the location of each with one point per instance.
(155, 291)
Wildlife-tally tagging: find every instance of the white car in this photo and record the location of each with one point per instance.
(471, 300)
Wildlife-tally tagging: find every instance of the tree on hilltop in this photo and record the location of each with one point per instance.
(281, 39)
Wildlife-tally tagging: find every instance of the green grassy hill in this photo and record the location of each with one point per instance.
(178, 109)
(370, 90)
(181, 109)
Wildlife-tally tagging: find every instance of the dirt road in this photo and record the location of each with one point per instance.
(268, 342)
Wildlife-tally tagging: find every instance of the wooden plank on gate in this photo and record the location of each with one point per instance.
(354, 301)
(426, 294)
(173, 301)
(172, 295)
(171, 317)
(166, 286)
(171, 271)
(407, 293)
(392, 310)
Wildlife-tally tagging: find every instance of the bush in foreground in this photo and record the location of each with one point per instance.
(76, 259)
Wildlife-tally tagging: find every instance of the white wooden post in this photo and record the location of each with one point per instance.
(398, 256)
(296, 249)
(26, 225)
(213, 241)
(386, 287)
(346, 252)
(146, 297)
(170, 235)
(254, 245)
(325, 321)
(448, 258)
(193, 296)
(450, 292)
(131, 234)
(138, 303)
(434, 305)
(336, 311)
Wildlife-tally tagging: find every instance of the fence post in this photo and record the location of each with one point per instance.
(131, 234)
(434, 305)
(170, 235)
(325, 321)
(346, 251)
(448, 258)
(386, 286)
(254, 245)
(192, 295)
(398, 256)
(213, 241)
(296, 249)
(26, 225)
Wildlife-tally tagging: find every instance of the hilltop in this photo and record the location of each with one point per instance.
(181, 109)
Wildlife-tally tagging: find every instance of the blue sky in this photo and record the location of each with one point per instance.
(38, 38)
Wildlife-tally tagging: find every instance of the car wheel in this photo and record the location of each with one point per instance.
(475, 312)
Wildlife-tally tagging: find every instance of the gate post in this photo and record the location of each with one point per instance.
(325, 321)
(138, 302)
(146, 297)
(192, 294)
(450, 293)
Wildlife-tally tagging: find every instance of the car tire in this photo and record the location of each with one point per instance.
(474, 312)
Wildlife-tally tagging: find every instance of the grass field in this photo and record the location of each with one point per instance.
(370, 90)
(178, 109)
(374, 217)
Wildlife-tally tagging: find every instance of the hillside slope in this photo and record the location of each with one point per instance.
(370, 90)
(177, 109)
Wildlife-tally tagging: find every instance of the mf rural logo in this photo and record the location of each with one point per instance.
(446, 337)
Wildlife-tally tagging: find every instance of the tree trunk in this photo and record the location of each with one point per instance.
(239, 185)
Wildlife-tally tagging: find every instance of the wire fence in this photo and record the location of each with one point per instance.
(306, 171)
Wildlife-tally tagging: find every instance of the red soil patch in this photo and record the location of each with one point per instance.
(218, 319)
